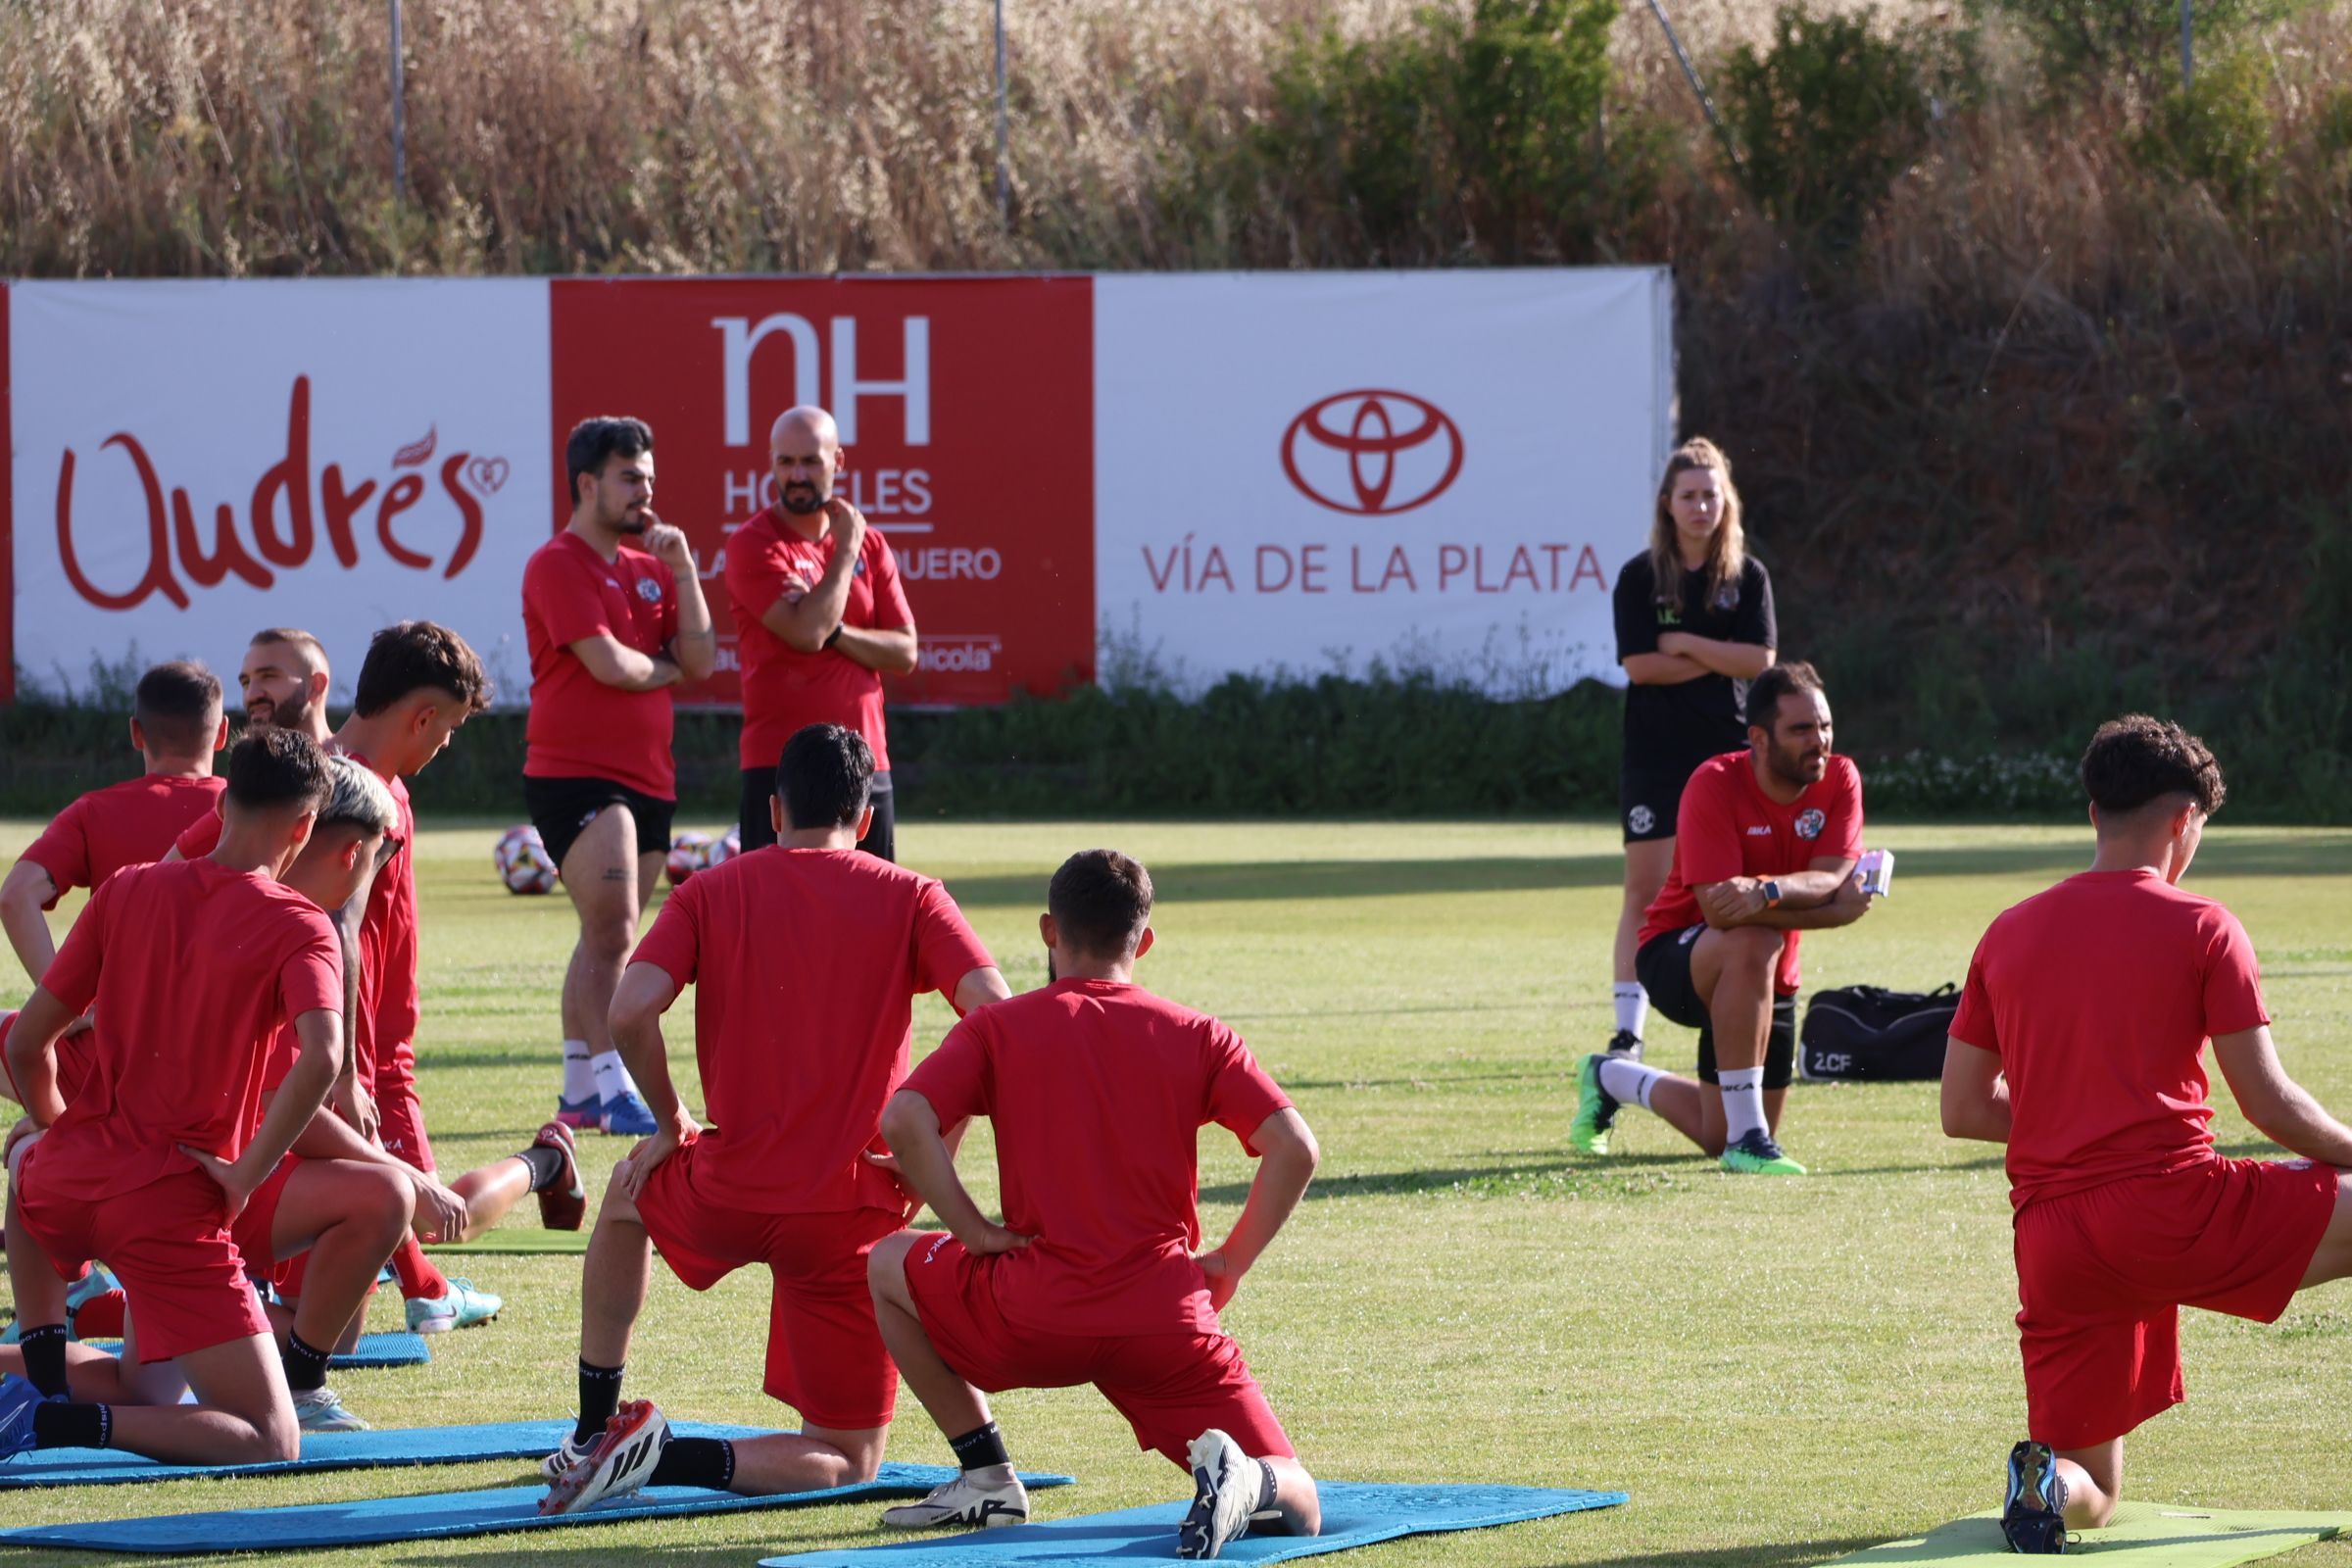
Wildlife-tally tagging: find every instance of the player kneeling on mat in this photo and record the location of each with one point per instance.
(2079, 1044)
(1098, 1091)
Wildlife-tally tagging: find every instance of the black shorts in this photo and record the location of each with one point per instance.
(758, 827)
(1649, 796)
(563, 807)
(1664, 967)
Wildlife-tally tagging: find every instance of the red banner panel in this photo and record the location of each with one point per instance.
(967, 409)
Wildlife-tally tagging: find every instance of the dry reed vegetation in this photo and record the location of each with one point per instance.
(2073, 401)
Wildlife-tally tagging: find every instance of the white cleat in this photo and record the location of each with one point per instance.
(321, 1410)
(617, 1463)
(963, 1504)
(564, 1457)
(1225, 1489)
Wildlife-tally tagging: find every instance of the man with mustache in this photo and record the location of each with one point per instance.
(612, 608)
(1766, 843)
(284, 681)
(820, 618)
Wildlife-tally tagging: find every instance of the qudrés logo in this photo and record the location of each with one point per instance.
(1371, 453)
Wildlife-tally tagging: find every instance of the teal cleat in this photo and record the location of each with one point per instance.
(462, 1308)
(1595, 1111)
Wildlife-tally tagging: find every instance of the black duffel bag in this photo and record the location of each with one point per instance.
(1860, 1034)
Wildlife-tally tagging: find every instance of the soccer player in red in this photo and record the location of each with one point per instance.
(175, 723)
(2078, 1044)
(194, 969)
(820, 618)
(805, 957)
(1098, 1091)
(283, 680)
(1766, 843)
(612, 608)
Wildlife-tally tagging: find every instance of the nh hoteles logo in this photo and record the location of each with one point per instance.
(1372, 452)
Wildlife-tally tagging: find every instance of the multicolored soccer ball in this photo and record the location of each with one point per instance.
(726, 849)
(689, 852)
(522, 862)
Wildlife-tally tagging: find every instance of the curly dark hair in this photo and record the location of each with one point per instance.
(2137, 759)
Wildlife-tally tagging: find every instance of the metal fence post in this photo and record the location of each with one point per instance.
(400, 130)
(2188, 45)
(1004, 134)
(1699, 88)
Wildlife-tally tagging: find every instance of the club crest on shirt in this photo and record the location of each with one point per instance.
(1727, 597)
(649, 590)
(1810, 822)
(1641, 819)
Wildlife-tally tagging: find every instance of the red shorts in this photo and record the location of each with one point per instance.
(1170, 1387)
(825, 1356)
(2101, 1276)
(166, 1241)
(251, 1229)
(399, 1117)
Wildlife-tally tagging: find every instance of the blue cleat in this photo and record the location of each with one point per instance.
(628, 1117)
(19, 1398)
(580, 1113)
(2033, 1510)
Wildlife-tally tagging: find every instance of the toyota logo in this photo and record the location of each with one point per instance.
(1372, 453)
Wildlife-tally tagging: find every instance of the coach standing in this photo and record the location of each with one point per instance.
(611, 628)
(820, 619)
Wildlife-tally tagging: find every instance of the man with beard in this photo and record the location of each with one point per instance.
(1766, 845)
(820, 618)
(176, 725)
(613, 611)
(284, 680)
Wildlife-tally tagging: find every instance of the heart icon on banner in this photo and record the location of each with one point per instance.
(488, 473)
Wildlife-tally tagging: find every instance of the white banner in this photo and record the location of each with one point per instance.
(194, 461)
(1436, 470)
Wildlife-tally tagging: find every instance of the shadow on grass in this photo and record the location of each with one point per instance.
(1624, 1176)
(1791, 1554)
(1247, 880)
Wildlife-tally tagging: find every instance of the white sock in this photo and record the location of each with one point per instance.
(612, 1080)
(1742, 1103)
(1632, 1007)
(1629, 1082)
(580, 1077)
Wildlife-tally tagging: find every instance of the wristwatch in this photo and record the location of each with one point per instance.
(1772, 894)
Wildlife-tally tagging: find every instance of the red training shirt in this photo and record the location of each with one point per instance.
(1729, 827)
(806, 965)
(194, 967)
(389, 1003)
(1097, 1092)
(580, 727)
(122, 824)
(2098, 995)
(784, 690)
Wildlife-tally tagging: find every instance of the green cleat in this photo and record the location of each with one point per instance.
(1595, 1111)
(1756, 1154)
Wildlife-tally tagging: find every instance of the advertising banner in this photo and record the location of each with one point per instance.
(196, 461)
(966, 414)
(1435, 471)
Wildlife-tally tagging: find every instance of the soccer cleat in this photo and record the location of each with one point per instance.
(1756, 1154)
(2034, 1511)
(628, 1117)
(1624, 1043)
(1225, 1490)
(617, 1463)
(581, 1114)
(564, 1206)
(94, 1283)
(1595, 1111)
(19, 1398)
(321, 1410)
(567, 1453)
(963, 1504)
(462, 1308)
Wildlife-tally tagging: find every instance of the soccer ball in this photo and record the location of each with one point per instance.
(726, 849)
(522, 862)
(689, 852)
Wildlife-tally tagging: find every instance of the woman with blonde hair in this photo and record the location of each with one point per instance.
(1694, 625)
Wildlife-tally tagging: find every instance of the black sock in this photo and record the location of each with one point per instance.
(45, 1358)
(72, 1425)
(306, 1365)
(1265, 1487)
(547, 1166)
(695, 1462)
(980, 1447)
(600, 1397)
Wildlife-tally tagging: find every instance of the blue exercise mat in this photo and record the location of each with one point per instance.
(1355, 1513)
(324, 1451)
(373, 1352)
(443, 1515)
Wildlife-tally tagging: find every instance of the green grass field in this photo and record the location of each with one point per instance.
(1777, 1371)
